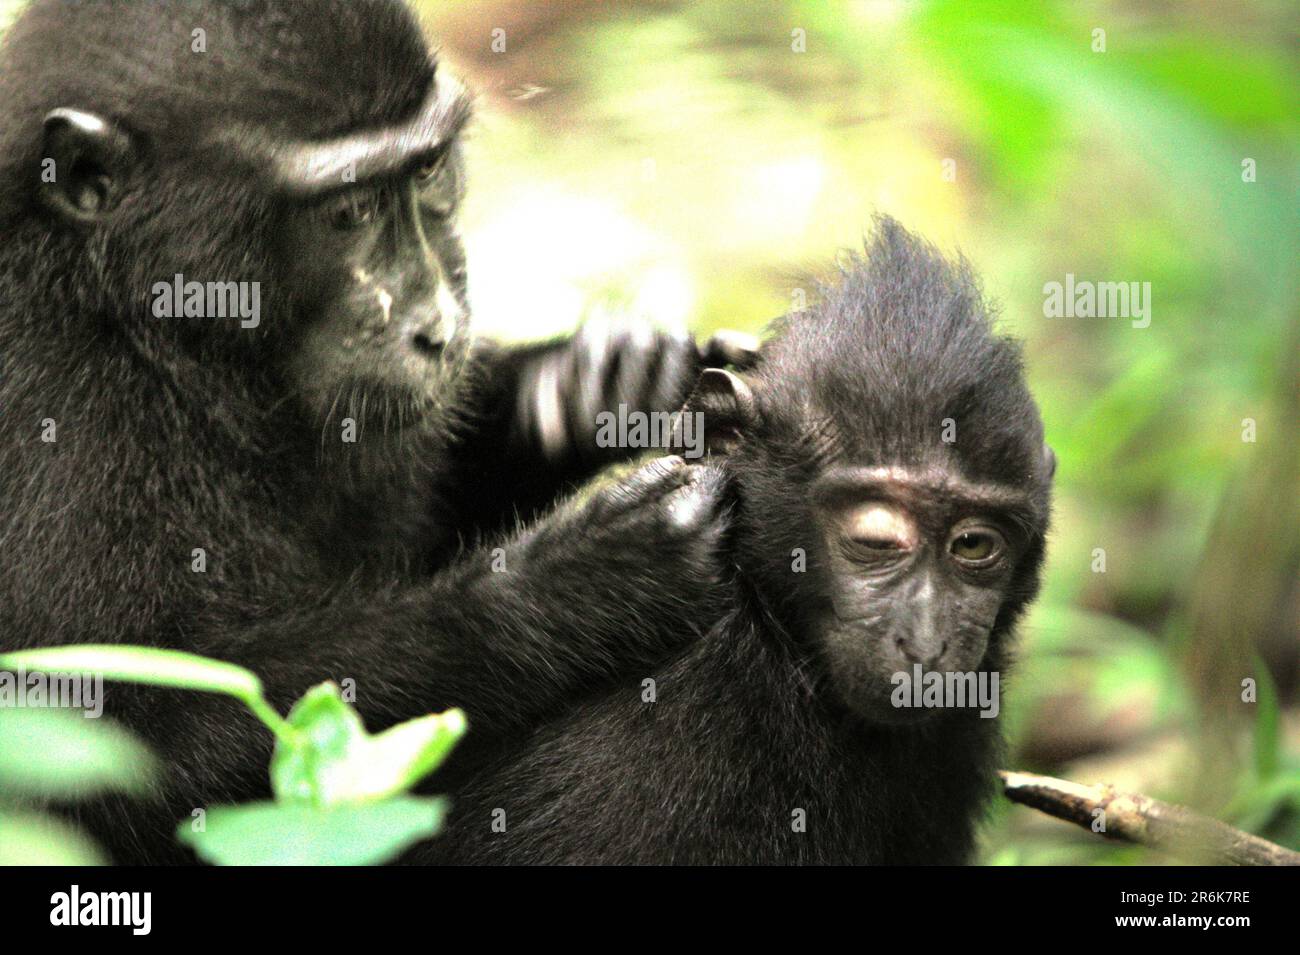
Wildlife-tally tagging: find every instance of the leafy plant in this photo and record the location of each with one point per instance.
(340, 793)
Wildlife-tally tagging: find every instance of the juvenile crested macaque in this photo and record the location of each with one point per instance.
(889, 490)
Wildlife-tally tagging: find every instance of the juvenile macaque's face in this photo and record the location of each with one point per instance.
(920, 563)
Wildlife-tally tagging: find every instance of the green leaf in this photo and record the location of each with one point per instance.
(280, 834)
(49, 753)
(331, 760)
(1268, 717)
(140, 665)
(305, 770)
(155, 667)
(33, 839)
(407, 752)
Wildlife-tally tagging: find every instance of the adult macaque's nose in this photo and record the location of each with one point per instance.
(426, 334)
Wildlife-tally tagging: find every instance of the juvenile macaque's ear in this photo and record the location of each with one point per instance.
(723, 406)
(1049, 456)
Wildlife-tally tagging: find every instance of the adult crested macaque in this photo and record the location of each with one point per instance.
(241, 413)
(889, 491)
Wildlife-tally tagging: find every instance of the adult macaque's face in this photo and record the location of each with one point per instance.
(376, 272)
(343, 204)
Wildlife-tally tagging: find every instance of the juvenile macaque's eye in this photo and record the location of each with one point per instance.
(875, 529)
(877, 543)
(976, 546)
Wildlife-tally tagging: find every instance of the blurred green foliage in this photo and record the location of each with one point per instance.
(50, 754)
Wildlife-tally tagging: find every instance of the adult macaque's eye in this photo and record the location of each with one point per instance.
(977, 546)
(351, 211)
(427, 169)
(429, 166)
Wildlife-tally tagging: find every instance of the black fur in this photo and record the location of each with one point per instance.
(744, 731)
(324, 561)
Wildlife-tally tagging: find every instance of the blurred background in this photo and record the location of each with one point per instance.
(693, 162)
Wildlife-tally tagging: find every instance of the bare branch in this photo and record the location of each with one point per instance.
(1132, 817)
